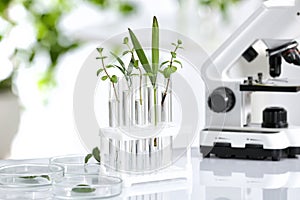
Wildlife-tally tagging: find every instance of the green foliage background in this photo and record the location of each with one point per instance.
(49, 37)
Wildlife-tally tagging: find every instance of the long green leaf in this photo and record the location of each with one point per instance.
(121, 69)
(119, 60)
(155, 47)
(140, 53)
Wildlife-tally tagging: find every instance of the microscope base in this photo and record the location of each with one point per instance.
(250, 143)
(256, 152)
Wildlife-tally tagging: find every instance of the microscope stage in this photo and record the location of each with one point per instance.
(269, 88)
(273, 85)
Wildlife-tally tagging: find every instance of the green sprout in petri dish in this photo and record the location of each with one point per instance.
(83, 188)
(34, 177)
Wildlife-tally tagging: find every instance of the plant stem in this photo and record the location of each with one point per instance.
(155, 105)
(141, 76)
(141, 82)
(168, 82)
(128, 79)
(113, 84)
(165, 92)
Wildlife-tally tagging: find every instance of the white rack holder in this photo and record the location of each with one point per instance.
(143, 159)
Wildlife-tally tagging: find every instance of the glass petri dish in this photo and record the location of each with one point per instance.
(26, 176)
(87, 186)
(74, 164)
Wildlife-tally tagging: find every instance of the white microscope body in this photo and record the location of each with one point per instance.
(229, 131)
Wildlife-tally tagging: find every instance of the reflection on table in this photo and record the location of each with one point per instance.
(229, 179)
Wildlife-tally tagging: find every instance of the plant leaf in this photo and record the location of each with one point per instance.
(178, 62)
(155, 47)
(28, 177)
(173, 54)
(125, 40)
(174, 44)
(173, 69)
(87, 158)
(167, 72)
(100, 50)
(110, 66)
(148, 74)
(163, 63)
(140, 53)
(114, 79)
(46, 177)
(101, 57)
(96, 154)
(121, 69)
(130, 66)
(83, 188)
(99, 71)
(179, 42)
(119, 60)
(136, 63)
(103, 78)
(125, 52)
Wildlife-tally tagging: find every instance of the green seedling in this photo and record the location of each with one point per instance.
(149, 69)
(95, 153)
(134, 63)
(83, 188)
(104, 69)
(171, 68)
(34, 177)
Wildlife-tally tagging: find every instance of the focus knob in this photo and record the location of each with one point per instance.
(221, 100)
(274, 117)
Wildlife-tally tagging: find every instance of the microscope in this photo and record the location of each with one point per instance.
(229, 132)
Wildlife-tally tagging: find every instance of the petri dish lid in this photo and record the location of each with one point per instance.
(25, 176)
(87, 186)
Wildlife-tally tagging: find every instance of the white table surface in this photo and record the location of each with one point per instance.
(220, 179)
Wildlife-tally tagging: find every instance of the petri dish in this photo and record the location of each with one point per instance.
(87, 186)
(74, 164)
(29, 176)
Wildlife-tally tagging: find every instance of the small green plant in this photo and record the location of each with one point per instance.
(150, 70)
(127, 72)
(153, 70)
(83, 188)
(134, 63)
(171, 68)
(95, 153)
(112, 78)
(34, 177)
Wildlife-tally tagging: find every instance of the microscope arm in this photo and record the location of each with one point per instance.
(276, 22)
